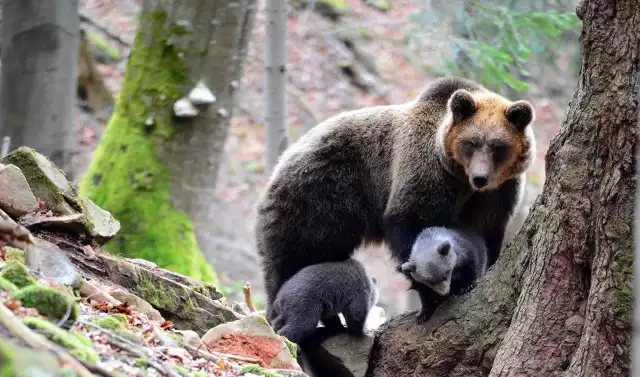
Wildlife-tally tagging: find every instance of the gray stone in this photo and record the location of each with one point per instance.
(101, 225)
(51, 263)
(164, 338)
(73, 222)
(340, 355)
(16, 197)
(47, 182)
(137, 303)
(191, 338)
(241, 307)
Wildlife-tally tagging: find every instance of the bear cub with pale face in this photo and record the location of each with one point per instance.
(321, 291)
(450, 261)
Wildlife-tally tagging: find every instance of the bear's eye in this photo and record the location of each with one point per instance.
(468, 147)
(500, 153)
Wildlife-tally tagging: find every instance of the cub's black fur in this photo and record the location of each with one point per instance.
(320, 292)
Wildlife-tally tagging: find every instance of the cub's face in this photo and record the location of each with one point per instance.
(432, 264)
(374, 295)
(489, 137)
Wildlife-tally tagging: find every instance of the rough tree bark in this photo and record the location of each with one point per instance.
(156, 166)
(40, 44)
(275, 94)
(558, 301)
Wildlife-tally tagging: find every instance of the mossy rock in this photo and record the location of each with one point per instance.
(13, 254)
(113, 322)
(134, 337)
(49, 302)
(258, 370)
(62, 337)
(331, 9)
(17, 273)
(7, 285)
(17, 361)
(293, 348)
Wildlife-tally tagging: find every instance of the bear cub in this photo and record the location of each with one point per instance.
(321, 291)
(448, 260)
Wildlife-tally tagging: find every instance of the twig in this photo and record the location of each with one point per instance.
(6, 142)
(35, 340)
(127, 345)
(247, 296)
(87, 18)
(303, 20)
(246, 359)
(97, 369)
(15, 234)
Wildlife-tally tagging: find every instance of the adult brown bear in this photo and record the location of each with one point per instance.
(385, 173)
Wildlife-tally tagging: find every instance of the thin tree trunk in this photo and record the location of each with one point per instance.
(558, 301)
(156, 166)
(40, 44)
(275, 94)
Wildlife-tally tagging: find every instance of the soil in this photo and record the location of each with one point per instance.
(262, 348)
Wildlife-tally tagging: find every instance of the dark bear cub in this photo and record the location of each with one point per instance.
(321, 291)
(450, 261)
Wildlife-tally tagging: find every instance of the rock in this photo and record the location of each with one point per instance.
(49, 302)
(90, 291)
(241, 307)
(381, 5)
(73, 222)
(47, 182)
(52, 263)
(251, 336)
(136, 303)
(18, 274)
(16, 197)
(72, 342)
(101, 225)
(17, 359)
(340, 355)
(186, 308)
(13, 254)
(191, 338)
(134, 337)
(331, 9)
(165, 338)
(112, 322)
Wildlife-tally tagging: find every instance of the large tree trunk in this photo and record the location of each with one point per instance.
(558, 301)
(155, 171)
(40, 44)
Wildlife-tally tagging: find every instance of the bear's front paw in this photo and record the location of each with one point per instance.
(423, 316)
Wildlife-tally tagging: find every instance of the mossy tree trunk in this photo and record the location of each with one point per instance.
(558, 301)
(40, 44)
(155, 172)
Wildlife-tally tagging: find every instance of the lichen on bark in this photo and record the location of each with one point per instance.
(127, 175)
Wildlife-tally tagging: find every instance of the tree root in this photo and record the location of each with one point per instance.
(35, 340)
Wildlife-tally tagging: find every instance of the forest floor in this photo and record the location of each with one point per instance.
(318, 89)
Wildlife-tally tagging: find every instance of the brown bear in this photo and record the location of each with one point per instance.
(384, 173)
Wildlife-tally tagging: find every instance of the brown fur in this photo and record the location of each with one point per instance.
(385, 173)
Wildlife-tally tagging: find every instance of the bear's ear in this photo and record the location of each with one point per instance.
(374, 280)
(444, 249)
(408, 267)
(520, 113)
(461, 105)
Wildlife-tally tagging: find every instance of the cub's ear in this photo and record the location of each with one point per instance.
(373, 280)
(444, 249)
(408, 267)
(461, 105)
(521, 114)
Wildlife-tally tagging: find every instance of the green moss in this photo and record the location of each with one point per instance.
(293, 349)
(109, 322)
(335, 4)
(66, 372)
(82, 338)
(256, 369)
(7, 285)
(102, 45)
(207, 290)
(140, 363)
(17, 274)
(63, 338)
(381, 5)
(17, 361)
(127, 176)
(181, 370)
(13, 254)
(49, 302)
